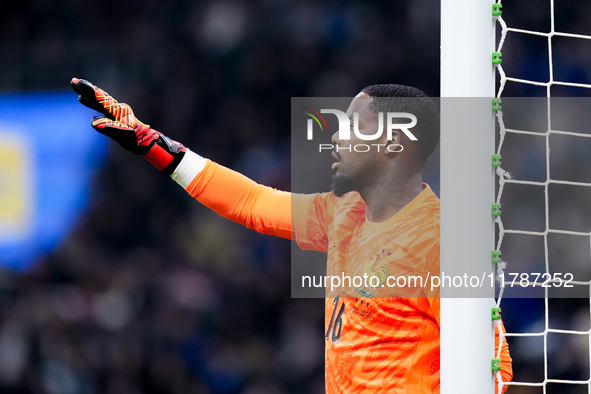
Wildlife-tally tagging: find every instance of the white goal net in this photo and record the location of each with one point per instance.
(543, 166)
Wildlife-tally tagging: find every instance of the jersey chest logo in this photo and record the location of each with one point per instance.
(375, 277)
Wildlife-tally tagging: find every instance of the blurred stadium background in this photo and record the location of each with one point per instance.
(147, 291)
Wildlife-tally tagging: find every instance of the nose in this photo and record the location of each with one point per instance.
(335, 138)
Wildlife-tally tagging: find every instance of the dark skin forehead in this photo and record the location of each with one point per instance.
(368, 118)
(360, 104)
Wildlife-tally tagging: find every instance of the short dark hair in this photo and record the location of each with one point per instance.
(391, 98)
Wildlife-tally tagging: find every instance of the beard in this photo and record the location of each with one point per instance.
(341, 185)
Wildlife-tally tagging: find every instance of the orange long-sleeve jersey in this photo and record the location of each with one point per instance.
(376, 341)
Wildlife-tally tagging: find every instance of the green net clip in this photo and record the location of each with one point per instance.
(496, 160)
(496, 58)
(495, 364)
(495, 256)
(496, 104)
(497, 9)
(496, 209)
(496, 313)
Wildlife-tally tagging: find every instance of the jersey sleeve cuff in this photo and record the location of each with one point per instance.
(188, 168)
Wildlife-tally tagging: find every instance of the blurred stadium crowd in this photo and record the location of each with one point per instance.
(152, 293)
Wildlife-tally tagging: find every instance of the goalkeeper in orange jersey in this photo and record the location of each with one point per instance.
(380, 220)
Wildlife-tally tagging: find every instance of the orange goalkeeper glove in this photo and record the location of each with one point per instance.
(119, 123)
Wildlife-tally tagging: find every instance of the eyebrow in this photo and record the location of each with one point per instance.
(351, 121)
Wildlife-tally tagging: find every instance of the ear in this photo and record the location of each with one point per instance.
(395, 144)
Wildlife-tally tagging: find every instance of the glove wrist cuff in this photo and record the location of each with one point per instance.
(165, 154)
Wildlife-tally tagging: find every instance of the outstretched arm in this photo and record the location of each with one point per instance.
(227, 192)
(234, 196)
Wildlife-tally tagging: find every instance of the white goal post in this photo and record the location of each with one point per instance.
(467, 190)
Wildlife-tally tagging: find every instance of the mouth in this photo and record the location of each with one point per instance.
(337, 157)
